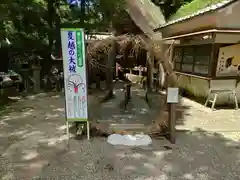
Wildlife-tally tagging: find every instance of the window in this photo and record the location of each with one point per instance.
(177, 58)
(188, 55)
(193, 59)
(188, 59)
(202, 59)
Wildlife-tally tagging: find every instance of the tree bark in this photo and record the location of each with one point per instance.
(110, 62)
(51, 12)
(150, 66)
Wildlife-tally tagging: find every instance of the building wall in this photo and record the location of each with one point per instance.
(194, 85)
(198, 23)
(199, 88)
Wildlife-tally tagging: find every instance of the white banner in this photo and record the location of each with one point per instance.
(74, 65)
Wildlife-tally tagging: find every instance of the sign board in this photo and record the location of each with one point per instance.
(228, 61)
(172, 95)
(74, 66)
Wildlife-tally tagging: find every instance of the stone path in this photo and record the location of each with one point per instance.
(198, 117)
(33, 146)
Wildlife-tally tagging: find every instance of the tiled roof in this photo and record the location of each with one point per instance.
(200, 12)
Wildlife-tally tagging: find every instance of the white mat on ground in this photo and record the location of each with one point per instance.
(129, 140)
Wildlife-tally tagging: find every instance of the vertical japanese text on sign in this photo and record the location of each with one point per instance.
(71, 53)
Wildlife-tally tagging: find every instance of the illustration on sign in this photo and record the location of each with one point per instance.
(73, 50)
(77, 89)
(228, 61)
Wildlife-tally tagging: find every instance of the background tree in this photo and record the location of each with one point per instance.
(35, 24)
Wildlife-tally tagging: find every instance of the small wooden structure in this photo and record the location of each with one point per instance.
(202, 50)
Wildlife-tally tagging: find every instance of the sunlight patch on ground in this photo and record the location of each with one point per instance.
(32, 133)
(188, 176)
(54, 141)
(2, 123)
(129, 167)
(36, 96)
(162, 176)
(123, 116)
(121, 155)
(235, 136)
(134, 155)
(186, 156)
(160, 154)
(137, 156)
(20, 116)
(6, 118)
(57, 96)
(29, 154)
(168, 168)
(63, 127)
(49, 116)
(18, 133)
(143, 111)
(59, 109)
(149, 166)
(39, 164)
(14, 97)
(8, 176)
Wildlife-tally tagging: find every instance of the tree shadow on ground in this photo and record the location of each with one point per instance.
(4, 103)
(197, 155)
(38, 147)
(139, 111)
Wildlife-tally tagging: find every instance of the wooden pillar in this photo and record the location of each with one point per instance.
(150, 68)
(172, 122)
(127, 95)
(111, 61)
(140, 70)
(97, 74)
(172, 100)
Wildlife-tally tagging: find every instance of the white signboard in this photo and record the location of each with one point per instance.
(172, 95)
(74, 65)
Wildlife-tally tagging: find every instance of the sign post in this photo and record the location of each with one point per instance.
(172, 100)
(75, 83)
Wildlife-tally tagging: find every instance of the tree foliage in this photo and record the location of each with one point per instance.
(35, 24)
(170, 7)
(30, 23)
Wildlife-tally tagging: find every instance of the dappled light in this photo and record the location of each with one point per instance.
(53, 141)
(49, 116)
(40, 147)
(59, 110)
(28, 155)
(34, 143)
(19, 116)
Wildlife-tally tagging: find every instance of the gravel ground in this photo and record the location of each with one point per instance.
(34, 146)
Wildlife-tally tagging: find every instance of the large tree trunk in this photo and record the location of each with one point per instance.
(51, 13)
(143, 13)
(111, 60)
